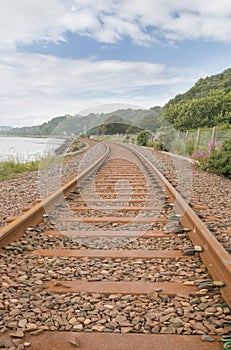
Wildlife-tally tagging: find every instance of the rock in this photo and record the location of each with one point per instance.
(114, 296)
(78, 327)
(30, 327)
(75, 342)
(12, 324)
(153, 296)
(3, 330)
(87, 321)
(38, 282)
(37, 310)
(98, 328)
(20, 347)
(210, 311)
(17, 342)
(22, 323)
(5, 285)
(166, 318)
(176, 322)
(206, 337)
(37, 332)
(126, 329)
(40, 261)
(156, 329)
(121, 319)
(15, 312)
(73, 321)
(113, 324)
(18, 334)
(22, 278)
(202, 306)
(8, 344)
(14, 301)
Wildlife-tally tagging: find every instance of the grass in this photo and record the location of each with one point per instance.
(11, 168)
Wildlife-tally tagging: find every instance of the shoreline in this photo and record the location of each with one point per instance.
(38, 136)
(22, 191)
(26, 149)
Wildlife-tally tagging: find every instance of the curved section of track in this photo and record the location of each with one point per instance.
(216, 258)
(109, 265)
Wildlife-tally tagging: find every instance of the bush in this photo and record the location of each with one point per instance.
(190, 147)
(219, 161)
(216, 160)
(177, 146)
(142, 138)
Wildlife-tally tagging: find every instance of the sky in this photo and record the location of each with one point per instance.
(61, 57)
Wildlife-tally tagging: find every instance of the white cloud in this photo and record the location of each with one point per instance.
(25, 21)
(39, 86)
(143, 21)
(81, 21)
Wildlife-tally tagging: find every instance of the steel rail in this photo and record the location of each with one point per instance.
(100, 340)
(215, 257)
(33, 216)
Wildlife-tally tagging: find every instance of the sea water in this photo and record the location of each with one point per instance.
(27, 148)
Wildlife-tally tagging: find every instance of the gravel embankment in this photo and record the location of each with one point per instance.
(17, 194)
(26, 306)
(206, 189)
(28, 188)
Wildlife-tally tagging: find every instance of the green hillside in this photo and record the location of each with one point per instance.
(206, 104)
(75, 125)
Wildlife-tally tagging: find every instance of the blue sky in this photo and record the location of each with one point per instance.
(64, 56)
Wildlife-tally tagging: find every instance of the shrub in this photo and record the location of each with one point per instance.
(201, 159)
(142, 138)
(190, 147)
(216, 160)
(219, 161)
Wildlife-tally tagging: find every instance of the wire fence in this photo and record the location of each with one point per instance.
(199, 139)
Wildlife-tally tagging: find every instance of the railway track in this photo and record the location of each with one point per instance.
(116, 259)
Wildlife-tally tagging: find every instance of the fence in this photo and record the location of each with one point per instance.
(198, 139)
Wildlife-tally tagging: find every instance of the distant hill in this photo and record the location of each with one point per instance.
(5, 127)
(206, 104)
(75, 125)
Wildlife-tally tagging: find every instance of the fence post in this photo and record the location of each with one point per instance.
(197, 139)
(186, 136)
(214, 134)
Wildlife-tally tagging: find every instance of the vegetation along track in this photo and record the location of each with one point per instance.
(120, 262)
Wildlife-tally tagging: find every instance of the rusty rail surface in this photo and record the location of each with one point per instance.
(33, 216)
(215, 257)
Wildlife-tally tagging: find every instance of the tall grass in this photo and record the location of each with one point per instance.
(12, 167)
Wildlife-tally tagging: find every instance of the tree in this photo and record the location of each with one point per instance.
(142, 138)
(207, 103)
(150, 122)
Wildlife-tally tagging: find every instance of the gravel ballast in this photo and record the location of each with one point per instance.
(26, 306)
